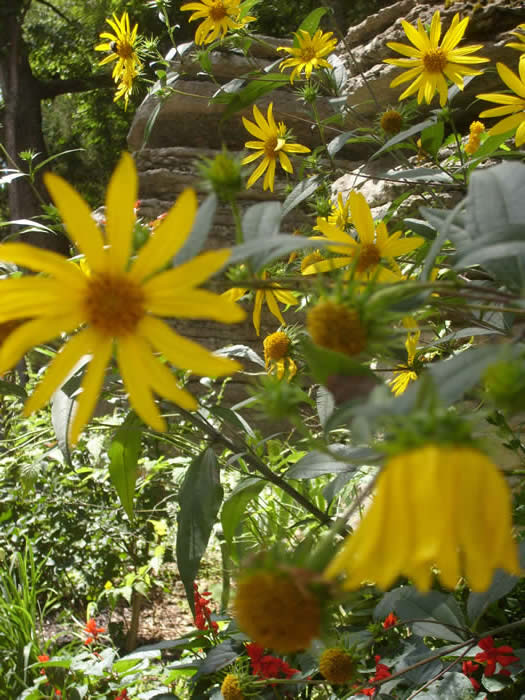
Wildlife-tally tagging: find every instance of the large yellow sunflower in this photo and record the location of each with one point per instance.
(406, 531)
(429, 63)
(272, 145)
(123, 49)
(118, 306)
(373, 254)
(310, 54)
(220, 16)
(513, 106)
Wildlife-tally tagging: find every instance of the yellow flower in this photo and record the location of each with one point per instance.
(118, 306)
(276, 611)
(429, 63)
(122, 45)
(406, 531)
(276, 346)
(310, 54)
(367, 254)
(520, 46)
(231, 688)
(474, 141)
(220, 17)
(272, 145)
(336, 327)
(405, 373)
(311, 259)
(108, 585)
(336, 665)
(512, 105)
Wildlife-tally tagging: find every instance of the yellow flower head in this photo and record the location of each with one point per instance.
(337, 666)
(276, 611)
(275, 347)
(118, 306)
(340, 214)
(406, 532)
(336, 327)
(391, 121)
(271, 146)
(429, 63)
(310, 54)
(220, 17)
(231, 688)
(123, 47)
(512, 106)
(405, 373)
(374, 248)
(474, 140)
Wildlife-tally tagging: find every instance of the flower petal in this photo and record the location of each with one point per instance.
(121, 196)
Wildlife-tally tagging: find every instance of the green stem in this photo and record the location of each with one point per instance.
(239, 235)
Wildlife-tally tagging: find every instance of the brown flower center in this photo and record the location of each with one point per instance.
(275, 346)
(392, 121)
(124, 49)
(368, 257)
(269, 146)
(114, 304)
(218, 11)
(336, 327)
(307, 53)
(435, 60)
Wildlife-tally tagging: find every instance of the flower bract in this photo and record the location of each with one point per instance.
(373, 254)
(122, 46)
(429, 62)
(119, 306)
(219, 17)
(309, 54)
(406, 532)
(512, 106)
(272, 146)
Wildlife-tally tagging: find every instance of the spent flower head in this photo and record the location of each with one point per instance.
(429, 63)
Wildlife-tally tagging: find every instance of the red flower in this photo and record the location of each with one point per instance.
(202, 611)
(122, 695)
(92, 630)
(268, 666)
(492, 655)
(390, 620)
(381, 673)
(43, 658)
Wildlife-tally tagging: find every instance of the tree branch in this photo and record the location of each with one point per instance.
(58, 12)
(52, 88)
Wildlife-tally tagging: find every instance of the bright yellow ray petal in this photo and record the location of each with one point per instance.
(183, 353)
(362, 218)
(253, 129)
(91, 386)
(41, 260)
(189, 274)
(78, 221)
(402, 246)
(58, 369)
(507, 124)
(259, 170)
(169, 237)
(162, 380)
(196, 303)
(511, 79)
(257, 309)
(121, 196)
(273, 307)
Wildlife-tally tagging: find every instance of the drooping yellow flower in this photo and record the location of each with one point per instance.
(310, 54)
(276, 347)
(373, 254)
(220, 17)
(277, 611)
(271, 294)
(405, 373)
(118, 306)
(429, 63)
(272, 145)
(123, 47)
(513, 106)
(406, 531)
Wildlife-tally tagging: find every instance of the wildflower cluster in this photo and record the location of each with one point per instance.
(266, 665)
(92, 629)
(203, 619)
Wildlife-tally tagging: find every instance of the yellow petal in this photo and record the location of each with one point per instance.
(190, 274)
(41, 260)
(362, 218)
(120, 217)
(195, 303)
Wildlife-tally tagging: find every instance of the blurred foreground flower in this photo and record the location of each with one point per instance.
(309, 54)
(373, 255)
(220, 17)
(428, 63)
(512, 106)
(272, 145)
(406, 532)
(123, 47)
(118, 305)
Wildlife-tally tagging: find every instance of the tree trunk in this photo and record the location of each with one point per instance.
(21, 93)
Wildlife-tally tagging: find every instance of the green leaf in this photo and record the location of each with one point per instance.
(300, 192)
(432, 138)
(249, 94)
(260, 253)
(63, 406)
(318, 463)
(435, 608)
(234, 507)
(124, 453)
(326, 363)
(406, 134)
(262, 220)
(310, 23)
(451, 685)
(420, 174)
(220, 656)
(200, 499)
(12, 389)
(337, 143)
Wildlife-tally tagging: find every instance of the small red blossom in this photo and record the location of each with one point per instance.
(382, 672)
(92, 630)
(492, 655)
(390, 620)
(43, 658)
(266, 666)
(202, 611)
(122, 695)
